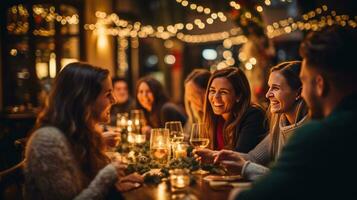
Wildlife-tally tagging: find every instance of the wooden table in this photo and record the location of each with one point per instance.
(200, 190)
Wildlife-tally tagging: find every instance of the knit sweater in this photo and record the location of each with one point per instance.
(52, 172)
(269, 149)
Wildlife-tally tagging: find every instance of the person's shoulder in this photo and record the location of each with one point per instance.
(313, 129)
(255, 111)
(169, 106)
(49, 134)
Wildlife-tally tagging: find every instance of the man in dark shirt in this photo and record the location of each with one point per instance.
(319, 160)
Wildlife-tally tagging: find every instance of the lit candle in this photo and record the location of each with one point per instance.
(180, 182)
(137, 122)
(131, 138)
(179, 179)
(180, 151)
(123, 122)
(140, 138)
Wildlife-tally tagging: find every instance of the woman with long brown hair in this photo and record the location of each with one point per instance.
(65, 155)
(233, 121)
(288, 112)
(152, 99)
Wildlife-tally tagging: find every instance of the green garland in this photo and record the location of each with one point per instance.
(140, 161)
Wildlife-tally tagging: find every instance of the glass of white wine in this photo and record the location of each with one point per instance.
(199, 139)
(160, 145)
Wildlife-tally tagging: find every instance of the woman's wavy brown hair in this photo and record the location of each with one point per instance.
(241, 87)
(160, 98)
(68, 108)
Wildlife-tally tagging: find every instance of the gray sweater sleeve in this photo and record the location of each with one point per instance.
(260, 154)
(52, 172)
(252, 171)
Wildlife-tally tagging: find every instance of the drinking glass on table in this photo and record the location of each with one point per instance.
(160, 145)
(176, 131)
(199, 139)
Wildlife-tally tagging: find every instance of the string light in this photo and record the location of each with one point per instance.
(231, 37)
(202, 9)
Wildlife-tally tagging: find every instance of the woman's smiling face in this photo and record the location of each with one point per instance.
(221, 96)
(145, 96)
(280, 94)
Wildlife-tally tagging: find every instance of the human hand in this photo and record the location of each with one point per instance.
(205, 155)
(146, 130)
(231, 160)
(120, 168)
(111, 138)
(129, 182)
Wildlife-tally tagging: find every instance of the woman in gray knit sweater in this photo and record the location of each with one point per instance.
(64, 156)
(288, 112)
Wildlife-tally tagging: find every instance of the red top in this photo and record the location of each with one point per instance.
(219, 139)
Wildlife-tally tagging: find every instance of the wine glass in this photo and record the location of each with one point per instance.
(159, 145)
(199, 139)
(176, 131)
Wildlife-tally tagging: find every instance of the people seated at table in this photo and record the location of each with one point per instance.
(288, 111)
(123, 101)
(233, 122)
(318, 161)
(152, 99)
(65, 156)
(195, 90)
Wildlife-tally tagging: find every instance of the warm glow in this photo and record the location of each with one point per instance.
(170, 59)
(41, 70)
(53, 69)
(259, 9)
(248, 66)
(66, 61)
(102, 40)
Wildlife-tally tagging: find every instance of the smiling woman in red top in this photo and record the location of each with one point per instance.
(233, 122)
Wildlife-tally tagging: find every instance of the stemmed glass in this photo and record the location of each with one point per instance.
(199, 139)
(176, 131)
(176, 134)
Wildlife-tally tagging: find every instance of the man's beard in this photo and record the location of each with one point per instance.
(315, 108)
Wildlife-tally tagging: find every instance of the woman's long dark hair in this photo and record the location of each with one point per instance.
(241, 87)
(160, 98)
(68, 108)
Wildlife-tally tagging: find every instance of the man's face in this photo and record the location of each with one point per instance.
(120, 91)
(309, 90)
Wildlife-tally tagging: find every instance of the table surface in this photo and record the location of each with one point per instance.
(200, 190)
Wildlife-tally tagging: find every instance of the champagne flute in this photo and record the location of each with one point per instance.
(199, 139)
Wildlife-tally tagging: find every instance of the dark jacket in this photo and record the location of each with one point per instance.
(251, 130)
(168, 112)
(318, 162)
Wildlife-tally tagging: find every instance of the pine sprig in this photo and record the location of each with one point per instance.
(140, 161)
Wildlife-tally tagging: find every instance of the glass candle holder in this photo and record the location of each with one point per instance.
(179, 179)
(131, 138)
(122, 120)
(140, 138)
(179, 150)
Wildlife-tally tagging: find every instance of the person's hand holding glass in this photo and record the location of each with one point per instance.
(199, 139)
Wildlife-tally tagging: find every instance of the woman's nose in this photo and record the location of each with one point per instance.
(268, 94)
